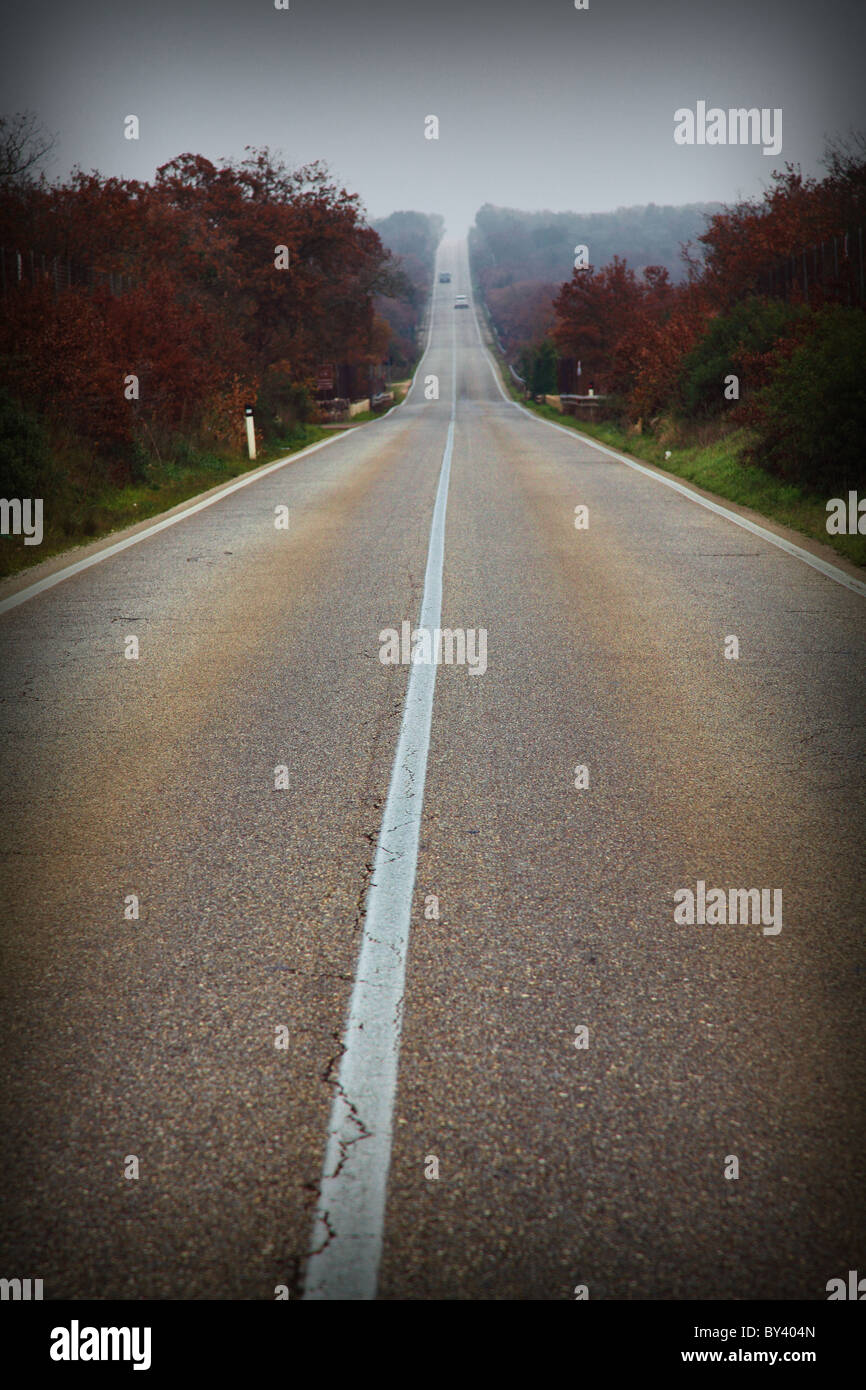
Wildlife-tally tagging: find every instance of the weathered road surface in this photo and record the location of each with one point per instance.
(558, 1166)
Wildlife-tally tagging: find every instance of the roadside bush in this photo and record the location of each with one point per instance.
(810, 419)
(537, 366)
(732, 343)
(282, 403)
(27, 468)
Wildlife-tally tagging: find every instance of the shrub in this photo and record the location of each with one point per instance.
(27, 467)
(282, 403)
(537, 366)
(732, 343)
(810, 419)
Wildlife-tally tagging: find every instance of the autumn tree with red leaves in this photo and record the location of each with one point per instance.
(636, 334)
(603, 317)
(229, 275)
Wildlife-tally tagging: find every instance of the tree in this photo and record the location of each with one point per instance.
(810, 418)
(24, 143)
(522, 312)
(604, 316)
(209, 306)
(735, 342)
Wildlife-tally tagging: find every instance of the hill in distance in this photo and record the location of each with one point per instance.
(508, 245)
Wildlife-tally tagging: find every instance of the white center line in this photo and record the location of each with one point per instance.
(76, 566)
(347, 1235)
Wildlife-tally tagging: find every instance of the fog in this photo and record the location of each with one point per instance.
(539, 105)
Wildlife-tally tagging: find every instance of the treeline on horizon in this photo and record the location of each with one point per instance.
(413, 238)
(215, 286)
(509, 245)
(519, 259)
(764, 331)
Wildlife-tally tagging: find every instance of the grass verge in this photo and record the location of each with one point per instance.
(715, 465)
(81, 515)
(83, 519)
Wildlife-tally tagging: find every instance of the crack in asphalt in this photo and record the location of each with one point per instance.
(331, 1234)
(366, 875)
(330, 1074)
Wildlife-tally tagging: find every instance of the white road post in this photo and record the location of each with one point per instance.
(251, 431)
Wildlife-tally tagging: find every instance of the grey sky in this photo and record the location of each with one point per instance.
(540, 105)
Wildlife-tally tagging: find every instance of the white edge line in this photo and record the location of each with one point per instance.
(829, 571)
(69, 570)
(41, 585)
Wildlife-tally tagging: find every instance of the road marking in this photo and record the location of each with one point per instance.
(347, 1235)
(39, 587)
(848, 581)
(50, 580)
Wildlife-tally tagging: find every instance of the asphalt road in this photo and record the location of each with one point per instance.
(558, 1166)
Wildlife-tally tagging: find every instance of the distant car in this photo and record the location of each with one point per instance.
(461, 302)
(445, 278)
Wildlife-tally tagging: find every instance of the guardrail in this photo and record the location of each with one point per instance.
(337, 405)
(570, 404)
